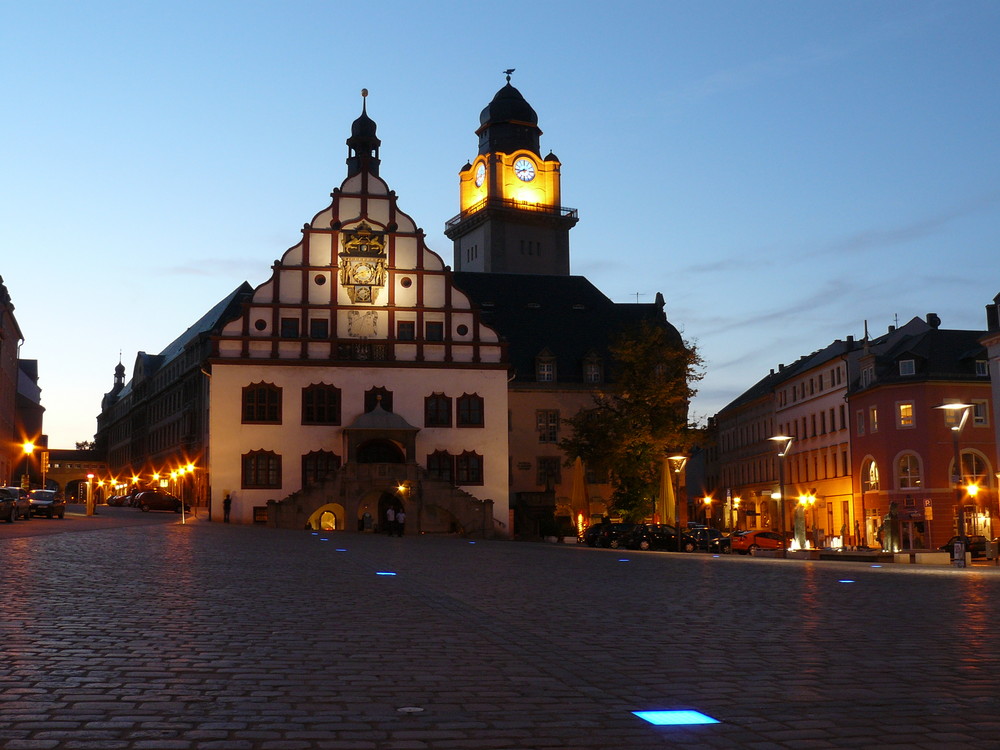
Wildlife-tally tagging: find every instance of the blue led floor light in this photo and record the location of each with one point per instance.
(675, 718)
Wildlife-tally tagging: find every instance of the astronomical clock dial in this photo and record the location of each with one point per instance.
(524, 169)
(363, 273)
(480, 174)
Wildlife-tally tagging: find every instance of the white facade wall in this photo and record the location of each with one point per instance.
(291, 440)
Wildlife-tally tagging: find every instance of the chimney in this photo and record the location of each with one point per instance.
(993, 315)
(933, 320)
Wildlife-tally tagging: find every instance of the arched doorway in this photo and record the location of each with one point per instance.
(380, 451)
(385, 501)
(329, 517)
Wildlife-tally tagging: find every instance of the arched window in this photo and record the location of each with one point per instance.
(908, 472)
(975, 469)
(261, 404)
(261, 470)
(316, 465)
(470, 410)
(869, 475)
(469, 468)
(320, 404)
(440, 465)
(437, 410)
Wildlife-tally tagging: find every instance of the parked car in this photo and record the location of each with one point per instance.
(153, 500)
(657, 536)
(611, 533)
(14, 504)
(751, 541)
(47, 503)
(724, 544)
(975, 544)
(704, 536)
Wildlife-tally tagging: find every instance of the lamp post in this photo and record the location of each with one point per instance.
(90, 495)
(784, 445)
(734, 521)
(956, 431)
(28, 448)
(678, 463)
(708, 511)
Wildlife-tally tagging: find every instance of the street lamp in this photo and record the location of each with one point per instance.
(957, 425)
(708, 512)
(28, 447)
(785, 444)
(678, 463)
(734, 520)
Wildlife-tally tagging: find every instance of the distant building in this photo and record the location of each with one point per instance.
(868, 441)
(904, 448)
(11, 454)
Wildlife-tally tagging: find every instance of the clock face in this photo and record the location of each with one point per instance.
(524, 170)
(363, 273)
(480, 174)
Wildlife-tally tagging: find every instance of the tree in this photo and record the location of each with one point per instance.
(85, 445)
(631, 428)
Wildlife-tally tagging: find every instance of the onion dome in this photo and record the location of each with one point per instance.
(362, 146)
(508, 123)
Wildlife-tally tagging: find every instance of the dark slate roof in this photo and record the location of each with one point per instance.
(221, 313)
(565, 316)
(769, 382)
(938, 354)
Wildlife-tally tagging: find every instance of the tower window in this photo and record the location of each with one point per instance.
(406, 330)
(319, 328)
(434, 330)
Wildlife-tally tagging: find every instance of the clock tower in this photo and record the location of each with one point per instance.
(512, 219)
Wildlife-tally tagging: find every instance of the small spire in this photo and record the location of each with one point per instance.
(364, 101)
(508, 72)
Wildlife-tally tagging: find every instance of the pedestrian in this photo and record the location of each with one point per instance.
(227, 505)
(400, 521)
(390, 520)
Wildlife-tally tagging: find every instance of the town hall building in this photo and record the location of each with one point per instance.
(365, 374)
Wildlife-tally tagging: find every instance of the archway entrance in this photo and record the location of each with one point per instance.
(380, 451)
(329, 517)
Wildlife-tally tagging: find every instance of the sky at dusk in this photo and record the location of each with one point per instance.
(781, 171)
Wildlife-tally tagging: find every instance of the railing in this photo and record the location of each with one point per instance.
(511, 205)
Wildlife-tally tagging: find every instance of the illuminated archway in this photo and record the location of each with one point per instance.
(329, 517)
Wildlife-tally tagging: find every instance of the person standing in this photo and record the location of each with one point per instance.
(400, 521)
(227, 505)
(390, 520)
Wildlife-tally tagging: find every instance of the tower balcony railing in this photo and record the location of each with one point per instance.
(511, 205)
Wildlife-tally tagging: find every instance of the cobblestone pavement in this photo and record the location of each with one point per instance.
(209, 636)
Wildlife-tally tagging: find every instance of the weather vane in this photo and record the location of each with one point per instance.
(508, 72)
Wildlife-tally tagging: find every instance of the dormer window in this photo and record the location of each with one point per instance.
(982, 369)
(545, 367)
(907, 367)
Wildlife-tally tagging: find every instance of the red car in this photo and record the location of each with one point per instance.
(751, 541)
